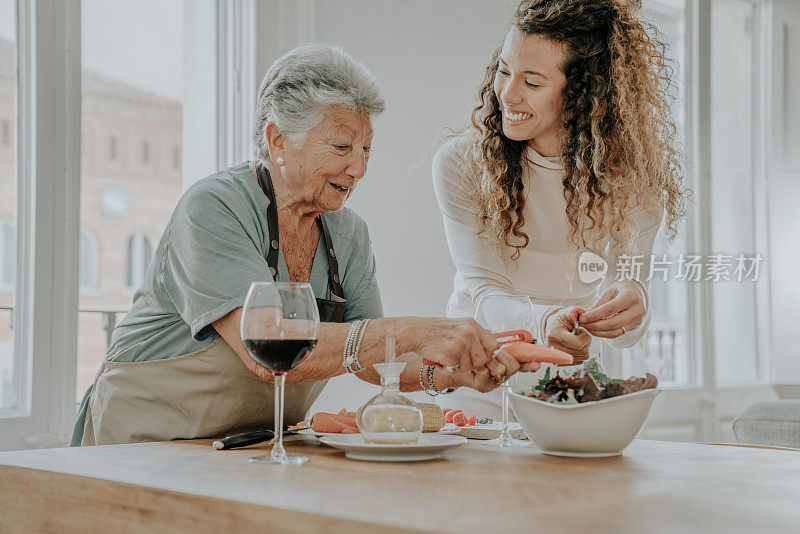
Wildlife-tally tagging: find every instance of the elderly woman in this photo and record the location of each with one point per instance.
(176, 366)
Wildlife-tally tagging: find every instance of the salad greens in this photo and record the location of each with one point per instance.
(592, 367)
(588, 383)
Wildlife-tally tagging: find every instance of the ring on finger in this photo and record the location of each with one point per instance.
(624, 330)
(451, 368)
(498, 379)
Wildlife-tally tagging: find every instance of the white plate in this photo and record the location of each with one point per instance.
(312, 432)
(428, 447)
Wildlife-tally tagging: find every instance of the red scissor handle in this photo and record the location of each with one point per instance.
(511, 336)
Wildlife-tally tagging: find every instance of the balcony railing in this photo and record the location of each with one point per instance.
(109, 319)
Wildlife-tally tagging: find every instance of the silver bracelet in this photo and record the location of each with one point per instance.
(352, 345)
(433, 387)
(421, 383)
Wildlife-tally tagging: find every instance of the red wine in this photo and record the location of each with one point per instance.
(279, 355)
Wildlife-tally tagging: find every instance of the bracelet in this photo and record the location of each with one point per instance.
(352, 345)
(432, 386)
(421, 383)
(349, 342)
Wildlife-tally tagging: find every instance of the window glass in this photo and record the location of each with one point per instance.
(87, 262)
(133, 108)
(733, 145)
(665, 350)
(139, 254)
(9, 368)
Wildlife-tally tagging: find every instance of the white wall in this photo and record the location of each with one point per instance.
(429, 58)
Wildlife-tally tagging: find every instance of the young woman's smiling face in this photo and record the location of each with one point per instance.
(529, 85)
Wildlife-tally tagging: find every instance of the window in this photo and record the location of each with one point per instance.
(734, 157)
(8, 251)
(87, 263)
(139, 253)
(117, 66)
(665, 350)
(112, 148)
(134, 70)
(10, 364)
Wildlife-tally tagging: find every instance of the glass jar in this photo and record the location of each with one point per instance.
(390, 416)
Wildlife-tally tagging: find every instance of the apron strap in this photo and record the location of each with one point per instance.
(333, 264)
(265, 181)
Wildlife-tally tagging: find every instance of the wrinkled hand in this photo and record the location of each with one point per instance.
(621, 305)
(559, 333)
(484, 380)
(450, 342)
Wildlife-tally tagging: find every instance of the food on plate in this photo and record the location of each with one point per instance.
(587, 384)
(344, 422)
(460, 419)
(528, 352)
(448, 417)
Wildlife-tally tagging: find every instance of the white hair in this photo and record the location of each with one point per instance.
(303, 83)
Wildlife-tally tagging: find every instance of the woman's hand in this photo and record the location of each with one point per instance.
(622, 305)
(559, 333)
(449, 342)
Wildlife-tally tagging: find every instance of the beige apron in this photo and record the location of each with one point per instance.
(208, 393)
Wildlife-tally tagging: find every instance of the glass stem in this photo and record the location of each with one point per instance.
(505, 433)
(278, 453)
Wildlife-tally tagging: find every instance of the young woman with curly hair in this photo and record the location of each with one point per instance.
(572, 149)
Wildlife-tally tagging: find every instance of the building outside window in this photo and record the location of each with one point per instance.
(87, 263)
(139, 253)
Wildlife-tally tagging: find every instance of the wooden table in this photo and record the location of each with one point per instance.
(189, 487)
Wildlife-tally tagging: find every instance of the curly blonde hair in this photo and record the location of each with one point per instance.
(620, 150)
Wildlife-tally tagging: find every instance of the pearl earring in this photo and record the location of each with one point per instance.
(279, 161)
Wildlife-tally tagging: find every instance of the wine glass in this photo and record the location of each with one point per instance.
(280, 327)
(501, 314)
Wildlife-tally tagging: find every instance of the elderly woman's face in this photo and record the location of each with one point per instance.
(326, 167)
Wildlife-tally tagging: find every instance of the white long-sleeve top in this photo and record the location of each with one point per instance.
(547, 269)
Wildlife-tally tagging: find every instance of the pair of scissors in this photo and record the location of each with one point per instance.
(512, 336)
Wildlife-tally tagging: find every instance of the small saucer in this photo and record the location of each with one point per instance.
(429, 447)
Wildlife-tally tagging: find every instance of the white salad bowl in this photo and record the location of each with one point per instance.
(590, 429)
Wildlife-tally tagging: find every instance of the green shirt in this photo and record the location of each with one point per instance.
(215, 244)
